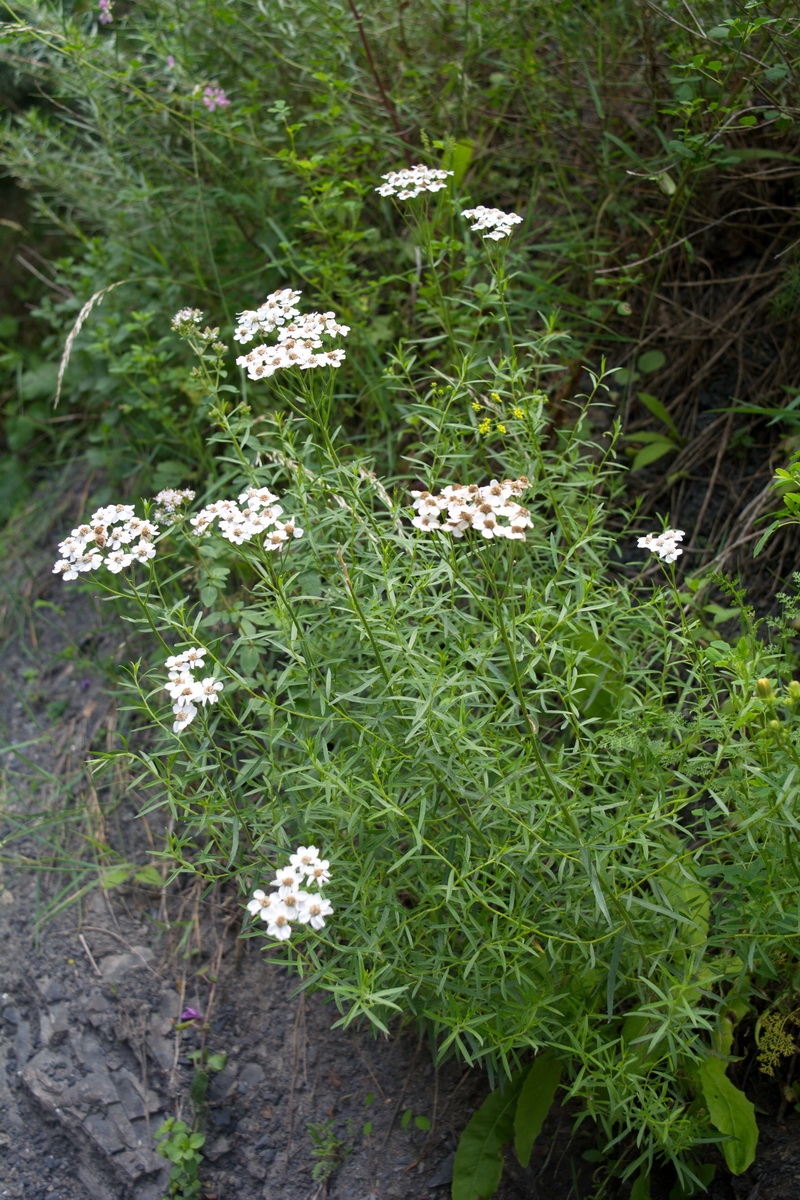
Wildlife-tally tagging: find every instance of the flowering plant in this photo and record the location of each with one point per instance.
(485, 729)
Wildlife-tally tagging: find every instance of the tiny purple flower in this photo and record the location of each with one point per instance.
(190, 1014)
(105, 17)
(85, 684)
(170, 60)
(214, 97)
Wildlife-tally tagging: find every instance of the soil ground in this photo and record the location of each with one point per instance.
(93, 981)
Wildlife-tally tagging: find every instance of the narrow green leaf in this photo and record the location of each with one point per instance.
(641, 1187)
(730, 1112)
(654, 405)
(535, 1100)
(478, 1163)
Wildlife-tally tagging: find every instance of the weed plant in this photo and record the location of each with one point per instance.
(555, 820)
(189, 151)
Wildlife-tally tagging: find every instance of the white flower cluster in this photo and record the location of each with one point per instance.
(412, 180)
(114, 537)
(186, 318)
(255, 513)
(186, 691)
(491, 222)
(490, 510)
(299, 342)
(277, 309)
(289, 901)
(665, 544)
(169, 500)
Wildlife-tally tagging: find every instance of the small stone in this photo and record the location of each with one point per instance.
(52, 990)
(114, 966)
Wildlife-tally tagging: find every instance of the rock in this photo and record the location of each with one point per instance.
(22, 1043)
(114, 966)
(54, 1024)
(51, 989)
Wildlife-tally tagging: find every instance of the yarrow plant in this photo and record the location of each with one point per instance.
(114, 537)
(489, 510)
(299, 341)
(186, 691)
(256, 513)
(411, 181)
(665, 544)
(170, 503)
(547, 869)
(289, 900)
(491, 222)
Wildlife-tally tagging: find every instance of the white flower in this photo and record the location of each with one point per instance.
(277, 539)
(186, 318)
(262, 903)
(304, 858)
(183, 717)
(118, 561)
(184, 692)
(278, 925)
(294, 902)
(492, 222)
(277, 309)
(665, 544)
(143, 552)
(286, 881)
(209, 690)
(257, 497)
(317, 908)
(489, 510)
(427, 521)
(299, 336)
(319, 872)
(410, 181)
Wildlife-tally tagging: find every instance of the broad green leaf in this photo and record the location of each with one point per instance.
(115, 876)
(478, 1163)
(149, 875)
(535, 1101)
(730, 1112)
(651, 360)
(652, 453)
(459, 159)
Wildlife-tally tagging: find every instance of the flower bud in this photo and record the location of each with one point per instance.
(764, 689)
(793, 692)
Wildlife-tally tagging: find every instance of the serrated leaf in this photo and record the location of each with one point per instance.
(730, 1112)
(478, 1163)
(535, 1101)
